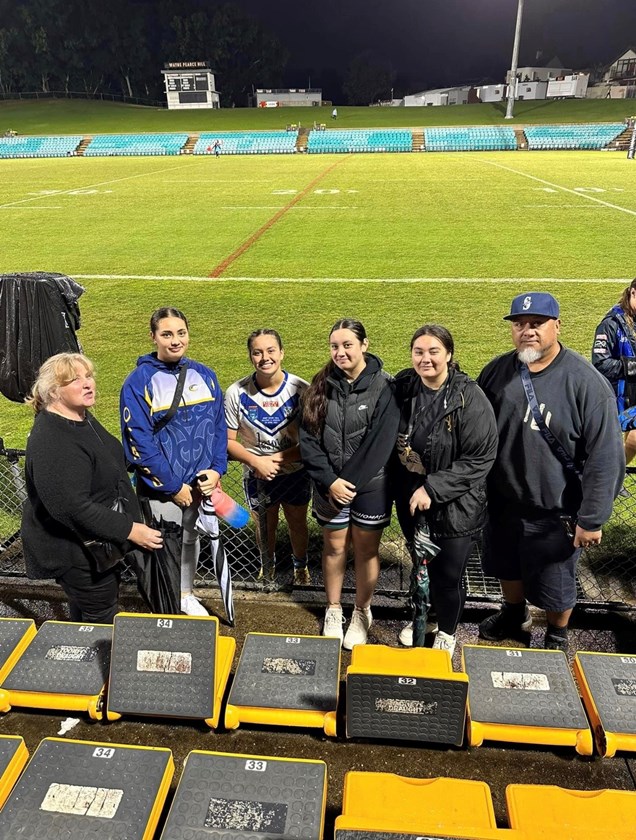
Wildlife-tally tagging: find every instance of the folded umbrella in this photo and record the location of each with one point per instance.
(159, 572)
(208, 524)
(424, 550)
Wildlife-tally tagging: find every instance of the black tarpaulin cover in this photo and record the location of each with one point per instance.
(39, 317)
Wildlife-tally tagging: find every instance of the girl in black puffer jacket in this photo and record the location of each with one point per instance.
(447, 443)
(347, 435)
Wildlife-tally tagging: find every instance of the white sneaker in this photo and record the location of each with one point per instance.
(444, 641)
(358, 630)
(406, 633)
(334, 620)
(190, 605)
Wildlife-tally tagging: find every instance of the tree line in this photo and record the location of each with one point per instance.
(119, 47)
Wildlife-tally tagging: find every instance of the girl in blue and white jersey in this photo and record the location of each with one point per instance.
(262, 413)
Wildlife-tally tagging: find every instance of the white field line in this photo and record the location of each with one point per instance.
(525, 281)
(570, 206)
(39, 207)
(280, 207)
(218, 181)
(87, 187)
(559, 187)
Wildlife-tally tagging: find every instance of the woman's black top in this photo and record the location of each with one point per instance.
(74, 472)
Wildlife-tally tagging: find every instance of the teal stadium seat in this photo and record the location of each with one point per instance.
(45, 147)
(247, 142)
(586, 136)
(108, 145)
(468, 139)
(339, 141)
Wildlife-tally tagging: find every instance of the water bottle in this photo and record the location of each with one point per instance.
(228, 509)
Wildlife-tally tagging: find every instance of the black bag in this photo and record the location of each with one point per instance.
(105, 554)
(159, 572)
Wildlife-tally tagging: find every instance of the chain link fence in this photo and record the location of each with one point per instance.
(605, 575)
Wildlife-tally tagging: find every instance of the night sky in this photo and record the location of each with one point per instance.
(432, 43)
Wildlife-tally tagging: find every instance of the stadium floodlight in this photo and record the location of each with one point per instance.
(512, 82)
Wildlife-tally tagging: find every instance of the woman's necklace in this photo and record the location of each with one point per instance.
(95, 432)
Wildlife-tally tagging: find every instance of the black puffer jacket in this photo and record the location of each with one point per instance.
(360, 428)
(453, 463)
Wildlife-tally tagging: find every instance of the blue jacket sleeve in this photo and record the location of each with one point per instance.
(219, 458)
(606, 356)
(140, 446)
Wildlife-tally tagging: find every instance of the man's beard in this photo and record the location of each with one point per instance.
(529, 355)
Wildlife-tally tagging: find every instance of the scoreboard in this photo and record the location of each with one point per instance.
(190, 84)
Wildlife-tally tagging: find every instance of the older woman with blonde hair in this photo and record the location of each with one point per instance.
(75, 476)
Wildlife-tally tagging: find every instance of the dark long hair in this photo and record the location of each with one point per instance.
(442, 335)
(315, 397)
(625, 304)
(264, 331)
(165, 312)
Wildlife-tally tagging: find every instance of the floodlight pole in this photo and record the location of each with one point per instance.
(512, 86)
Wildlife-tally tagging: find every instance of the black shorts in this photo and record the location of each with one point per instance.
(286, 489)
(536, 551)
(369, 510)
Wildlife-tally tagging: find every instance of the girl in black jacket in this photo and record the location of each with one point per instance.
(447, 443)
(347, 434)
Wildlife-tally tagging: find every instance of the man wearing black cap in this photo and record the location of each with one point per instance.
(560, 465)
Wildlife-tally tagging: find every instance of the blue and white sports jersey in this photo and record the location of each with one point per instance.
(266, 423)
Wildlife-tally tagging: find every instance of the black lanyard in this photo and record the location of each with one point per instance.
(552, 441)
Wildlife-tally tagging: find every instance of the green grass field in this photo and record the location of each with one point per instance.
(72, 116)
(298, 241)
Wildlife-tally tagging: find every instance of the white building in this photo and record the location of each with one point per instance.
(573, 86)
(287, 97)
(492, 93)
(619, 79)
(623, 69)
(537, 89)
(438, 96)
(551, 70)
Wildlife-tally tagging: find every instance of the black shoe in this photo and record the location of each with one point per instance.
(505, 624)
(554, 642)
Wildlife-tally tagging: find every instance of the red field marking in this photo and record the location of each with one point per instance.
(222, 266)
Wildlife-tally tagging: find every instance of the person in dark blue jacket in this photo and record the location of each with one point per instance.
(614, 355)
(180, 460)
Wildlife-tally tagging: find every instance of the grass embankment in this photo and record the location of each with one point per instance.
(78, 116)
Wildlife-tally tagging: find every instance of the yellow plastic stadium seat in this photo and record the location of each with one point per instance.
(385, 802)
(76, 789)
(409, 694)
(607, 682)
(554, 813)
(230, 795)
(168, 666)
(63, 667)
(523, 696)
(13, 756)
(286, 681)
